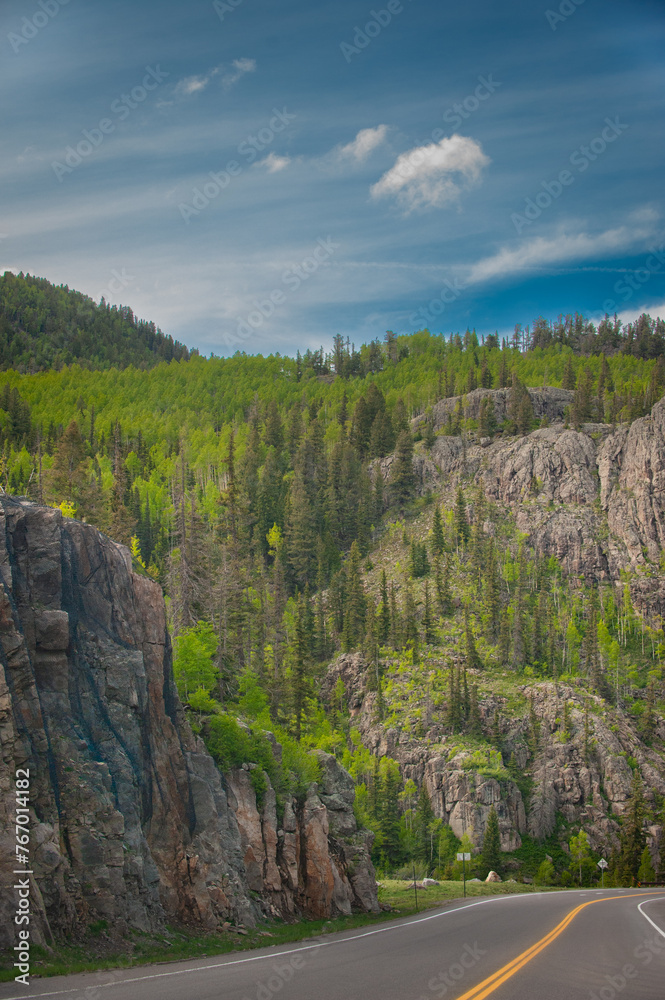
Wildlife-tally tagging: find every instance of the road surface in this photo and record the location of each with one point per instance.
(547, 946)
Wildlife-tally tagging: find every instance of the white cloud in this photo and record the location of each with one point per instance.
(541, 251)
(274, 163)
(435, 175)
(240, 68)
(194, 84)
(364, 143)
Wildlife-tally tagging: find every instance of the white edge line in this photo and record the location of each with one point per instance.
(277, 954)
(653, 923)
(291, 951)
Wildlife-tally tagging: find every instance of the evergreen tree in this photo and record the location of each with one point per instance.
(356, 603)
(402, 478)
(423, 821)
(472, 659)
(428, 619)
(437, 542)
(442, 584)
(633, 836)
(384, 611)
(461, 522)
(568, 381)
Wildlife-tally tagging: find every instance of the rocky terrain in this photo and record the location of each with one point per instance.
(583, 778)
(594, 498)
(131, 821)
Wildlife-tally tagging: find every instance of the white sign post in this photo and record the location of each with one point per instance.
(464, 857)
(602, 864)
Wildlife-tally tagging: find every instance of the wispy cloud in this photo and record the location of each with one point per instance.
(195, 84)
(240, 68)
(366, 141)
(433, 176)
(273, 163)
(565, 247)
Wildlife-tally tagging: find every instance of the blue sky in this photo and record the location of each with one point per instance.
(259, 176)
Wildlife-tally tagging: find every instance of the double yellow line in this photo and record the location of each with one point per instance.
(501, 975)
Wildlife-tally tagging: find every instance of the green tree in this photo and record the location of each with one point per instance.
(438, 541)
(579, 851)
(633, 836)
(402, 476)
(646, 872)
(461, 522)
(193, 667)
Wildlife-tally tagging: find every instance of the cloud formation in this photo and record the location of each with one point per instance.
(240, 68)
(194, 84)
(541, 251)
(274, 163)
(433, 176)
(367, 140)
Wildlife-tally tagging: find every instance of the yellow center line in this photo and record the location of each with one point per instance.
(501, 975)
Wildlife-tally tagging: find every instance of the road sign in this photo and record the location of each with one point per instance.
(603, 863)
(463, 857)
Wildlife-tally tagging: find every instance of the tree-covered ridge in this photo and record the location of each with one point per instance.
(254, 490)
(48, 326)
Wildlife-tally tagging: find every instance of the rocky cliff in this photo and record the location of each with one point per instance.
(594, 498)
(583, 776)
(131, 821)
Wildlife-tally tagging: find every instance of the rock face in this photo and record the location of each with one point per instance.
(586, 779)
(317, 862)
(594, 498)
(131, 821)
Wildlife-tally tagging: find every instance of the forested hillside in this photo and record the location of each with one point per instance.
(48, 326)
(354, 502)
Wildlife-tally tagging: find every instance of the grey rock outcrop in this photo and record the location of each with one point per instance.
(131, 821)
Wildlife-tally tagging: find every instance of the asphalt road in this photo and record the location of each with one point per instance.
(551, 946)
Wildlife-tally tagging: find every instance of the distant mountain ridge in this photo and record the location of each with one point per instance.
(43, 325)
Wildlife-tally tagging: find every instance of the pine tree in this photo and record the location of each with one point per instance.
(402, 478)
(410, 620)
(491, 850)
(475, 720)
(492, 589)
(504, 639)
(356, 602)
(384, 611)
(438, 541)
(442, 584)
(423, 820)
(428, 619)
(633, 836)
(472, 659)
(568, 381)
(461, 522)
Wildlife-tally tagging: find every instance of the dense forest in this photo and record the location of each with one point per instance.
(251, 489)
(47, 326)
